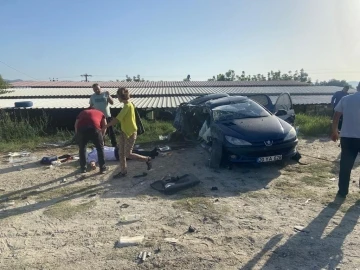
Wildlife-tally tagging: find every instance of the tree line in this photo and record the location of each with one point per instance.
(299, 76)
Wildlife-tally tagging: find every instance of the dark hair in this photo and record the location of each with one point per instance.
(123, 93)
(347, 87)
(95, 85)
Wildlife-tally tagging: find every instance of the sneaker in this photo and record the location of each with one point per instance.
(83, 170)
(103, 170)
(340, 195)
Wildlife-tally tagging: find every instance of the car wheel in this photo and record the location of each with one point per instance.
(216, 155)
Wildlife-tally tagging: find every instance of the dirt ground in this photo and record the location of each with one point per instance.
(248, 223)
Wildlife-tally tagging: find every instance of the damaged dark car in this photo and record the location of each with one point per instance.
(237, 129)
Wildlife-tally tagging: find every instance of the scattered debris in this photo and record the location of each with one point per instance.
(191, 229)
(164, 148)
(63, 181)
(216, 200)
(129, 219)
(308, 200)
(92, 195)
(56, 163)
(171, 240)
(126, 241)
(158, 250)
(333, 179)
(164, 137)
(143, 255)
(214, 188)
(301, 229)
(24, 198)
(124, 205)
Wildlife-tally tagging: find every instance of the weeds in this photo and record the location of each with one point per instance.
(313, 125)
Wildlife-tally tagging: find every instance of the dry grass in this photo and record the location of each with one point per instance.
(201, 206)
(66, 210)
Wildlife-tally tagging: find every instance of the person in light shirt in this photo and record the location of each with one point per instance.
(349, 107)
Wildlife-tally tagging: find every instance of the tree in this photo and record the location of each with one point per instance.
(334, 82)
(271, 76)
(3, 85)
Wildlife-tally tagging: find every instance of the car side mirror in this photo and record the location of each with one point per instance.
(281, 112)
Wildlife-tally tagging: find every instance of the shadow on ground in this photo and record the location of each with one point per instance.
(239, 180)
(311, 249)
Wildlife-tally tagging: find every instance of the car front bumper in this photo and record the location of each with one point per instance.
(252, 153)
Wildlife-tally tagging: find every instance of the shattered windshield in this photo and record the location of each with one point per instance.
(245, 109)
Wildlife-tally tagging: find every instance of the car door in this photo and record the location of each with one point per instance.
(284, 108)
(263, 100)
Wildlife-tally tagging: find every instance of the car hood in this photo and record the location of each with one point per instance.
(256, 129)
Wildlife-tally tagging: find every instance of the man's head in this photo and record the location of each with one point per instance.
(346, 89)
(96, 88)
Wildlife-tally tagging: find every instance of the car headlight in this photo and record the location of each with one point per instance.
(236, 141)
(291, 135)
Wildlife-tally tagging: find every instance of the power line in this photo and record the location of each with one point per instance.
(18, 71)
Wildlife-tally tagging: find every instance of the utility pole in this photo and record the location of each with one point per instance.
(86, 76)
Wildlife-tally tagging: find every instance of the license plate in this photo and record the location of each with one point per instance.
(269, 159)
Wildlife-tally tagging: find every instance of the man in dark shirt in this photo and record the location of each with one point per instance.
(335, 100)
(88, 127)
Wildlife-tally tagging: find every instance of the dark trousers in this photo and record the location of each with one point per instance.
(350, 147)
(85, 135)
(111, 133)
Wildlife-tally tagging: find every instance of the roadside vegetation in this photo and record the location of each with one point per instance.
(313, 125)
(23, 133)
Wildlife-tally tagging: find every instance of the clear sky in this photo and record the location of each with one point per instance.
(168, 39)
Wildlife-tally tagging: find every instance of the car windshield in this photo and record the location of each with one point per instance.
(245, 109)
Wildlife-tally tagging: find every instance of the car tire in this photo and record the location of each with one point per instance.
(216, 155)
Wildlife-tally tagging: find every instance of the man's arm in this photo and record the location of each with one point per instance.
(76, 124)
(110, 99)
(335, 124)
(103, 126)
(333, 99)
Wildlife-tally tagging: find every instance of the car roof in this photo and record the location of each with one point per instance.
(203, 99)
(225, 101)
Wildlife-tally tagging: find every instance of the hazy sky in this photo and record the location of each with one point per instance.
(168, 39)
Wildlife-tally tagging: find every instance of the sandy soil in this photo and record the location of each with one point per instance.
(248, 223)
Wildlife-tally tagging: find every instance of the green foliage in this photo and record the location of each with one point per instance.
(301, 76)
(333, 82)
(3, 85)
(14, 128)
(153, 129)
(313, 125)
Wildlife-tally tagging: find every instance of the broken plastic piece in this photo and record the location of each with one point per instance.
(126, 241)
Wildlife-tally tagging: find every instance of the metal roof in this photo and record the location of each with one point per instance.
(170, 91)
(74, 103)
(142, 103)
(74, 84)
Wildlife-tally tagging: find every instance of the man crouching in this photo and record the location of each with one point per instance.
(88, 127)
